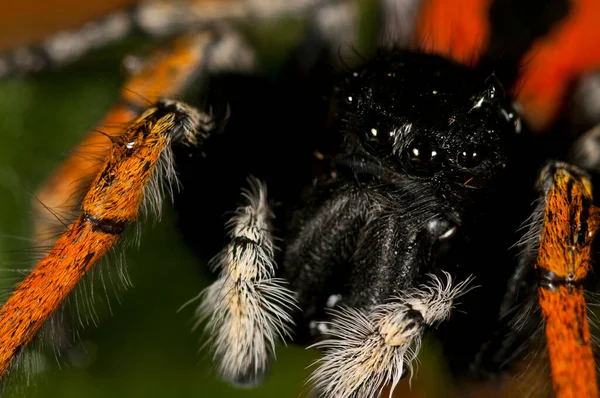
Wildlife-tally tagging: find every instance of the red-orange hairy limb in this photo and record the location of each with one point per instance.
(569, 343)
(553, 63)
(165, 75)
(455, 29)
(570, 223)
(42, 292)
(112, 202)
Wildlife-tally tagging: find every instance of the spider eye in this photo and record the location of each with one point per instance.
(423, 155)
(379, 138)
(380, 135)
(470, 157)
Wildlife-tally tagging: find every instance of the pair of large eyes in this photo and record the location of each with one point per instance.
(423, 154)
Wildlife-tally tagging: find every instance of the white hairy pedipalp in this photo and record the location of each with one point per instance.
(247, 308)
(367, 351)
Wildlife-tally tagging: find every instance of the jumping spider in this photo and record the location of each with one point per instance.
(378, 194)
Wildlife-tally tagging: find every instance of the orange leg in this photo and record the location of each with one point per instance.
(112, 202)
(553, 64)
(460, 30)
(166, 75)
(455, 29)
(570, 223)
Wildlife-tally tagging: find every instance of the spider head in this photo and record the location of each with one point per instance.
(420, 117)
(430, 149)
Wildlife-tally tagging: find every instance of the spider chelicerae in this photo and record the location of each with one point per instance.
(379, 194)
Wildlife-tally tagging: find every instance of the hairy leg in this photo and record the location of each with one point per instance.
(167, 74)
(544, 307)
(138, 164)
(247, 308)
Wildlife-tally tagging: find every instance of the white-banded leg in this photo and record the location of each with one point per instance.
(368, 350)
(247, 308)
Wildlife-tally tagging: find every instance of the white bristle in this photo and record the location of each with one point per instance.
(367, 351)
(248, 310)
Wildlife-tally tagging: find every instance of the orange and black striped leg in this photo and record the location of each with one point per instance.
(570, 221)
(167, 74)
(545, 303)
(139, 160)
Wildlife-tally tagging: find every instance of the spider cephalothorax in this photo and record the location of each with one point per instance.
(427, 149)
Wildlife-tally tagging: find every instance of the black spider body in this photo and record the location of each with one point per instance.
(402, 167)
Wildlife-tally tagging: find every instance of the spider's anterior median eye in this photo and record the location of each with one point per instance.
(422, 155)
(380, 136)
(470, 157)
